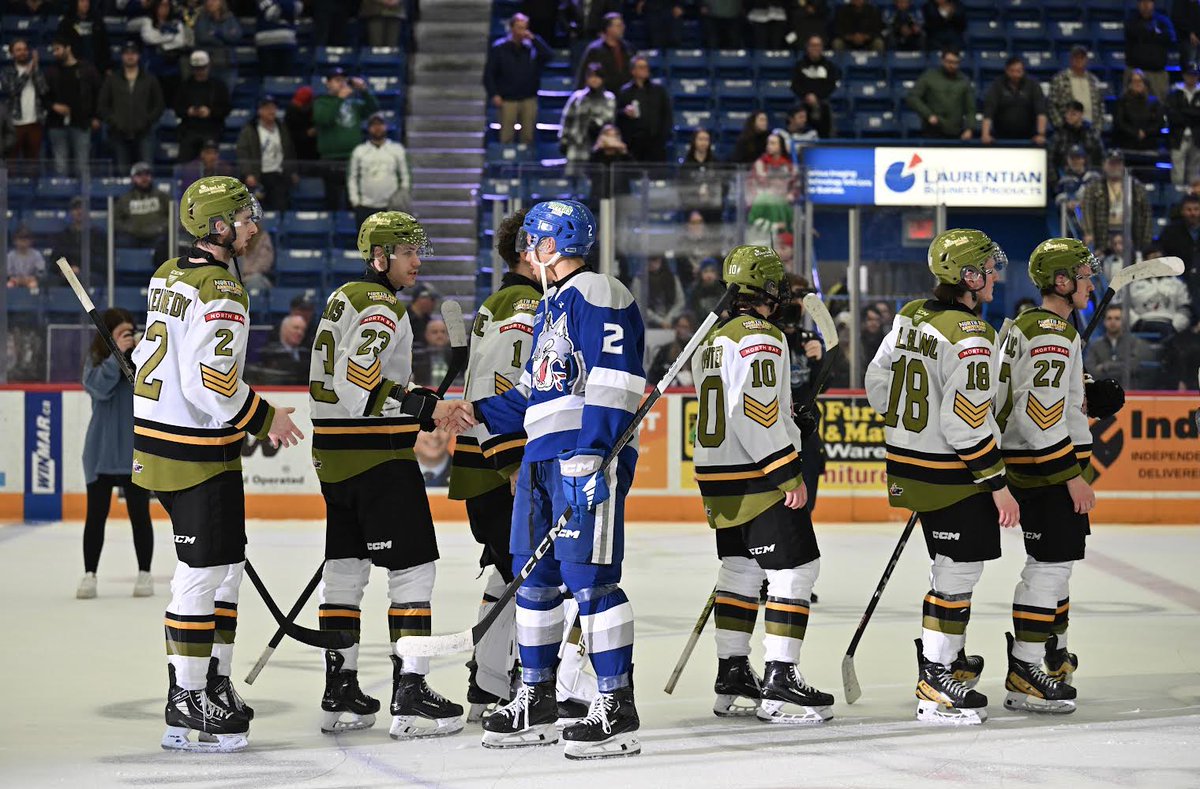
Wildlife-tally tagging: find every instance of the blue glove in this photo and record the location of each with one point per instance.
(583, 485)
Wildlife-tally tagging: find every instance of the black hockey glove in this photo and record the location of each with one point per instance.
(1104, 398)
(807, 420)
(418, 403)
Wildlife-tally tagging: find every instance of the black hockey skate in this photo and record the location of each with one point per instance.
(571, 711)
(783, 685)
(736, 680)
(608, 731)
(1060, 664)
(482, 702)
(344, 707)
(525, 721)
(224, 730)
(1032, 690)
(221, 687)
(418, 710)
(944, 700)
(967, 668)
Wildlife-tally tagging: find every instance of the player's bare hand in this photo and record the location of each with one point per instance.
(1082, 495)
(796, 498)
(512, 481)
(1010, 511)
(454, 416)
(283, 430)
(812, 349)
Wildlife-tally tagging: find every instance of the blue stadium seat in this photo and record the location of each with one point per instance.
(62, 304)
(309, 194)
(1108, 34)
(733, 64)
(22, 300)
(1106, 10)
(737, 94)
(874, 96)
(877, 124)
(689, 120)
(657, 60)
(382, 61)
(307, 227)
(21, 191)
(774, 64)
(1061, 10)
(345, 264)
(512, 152)
(979, 9)
(1025, 33)
(279, 299)
(56, 192)
(131, 265)
(282, 86)
(104, 188)
(983, 36)
(345, 230)
(1068, 33)
(691, 94)
(131, 297)
(688, 63)
(556, 85)
(864, 65)
(386, 87)
(331, 57)
(43, 223)
(733, 121)
(1021, 10)
(905, 65)
(300, 267)
(777, 95)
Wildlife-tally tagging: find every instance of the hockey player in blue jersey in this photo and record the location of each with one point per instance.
(576, 396)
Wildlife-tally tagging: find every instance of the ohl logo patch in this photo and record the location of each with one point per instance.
(900, 177)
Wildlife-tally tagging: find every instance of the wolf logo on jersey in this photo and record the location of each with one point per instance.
(554, 363)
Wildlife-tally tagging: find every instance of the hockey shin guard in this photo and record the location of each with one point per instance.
(788, 595)
(1036, 600)
(342, 584)
(735, 609)
(947, 608)
(539, 619)
(410, 614)
(607, 619)
(190, 622)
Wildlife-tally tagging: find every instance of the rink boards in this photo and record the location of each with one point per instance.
(1148, 457)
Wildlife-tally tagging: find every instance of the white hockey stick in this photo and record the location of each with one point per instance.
(1157, 267)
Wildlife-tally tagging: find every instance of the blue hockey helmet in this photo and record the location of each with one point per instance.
(568, 222)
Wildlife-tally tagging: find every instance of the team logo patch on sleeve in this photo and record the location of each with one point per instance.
(765, 414)
(973, 327)
(502, 384)
(228, 286)
(364, 377)
(224, 315)
(1042, 415)
(761, 348)
(973, 415)
(385, 320)
(224, 384)
(976, 351)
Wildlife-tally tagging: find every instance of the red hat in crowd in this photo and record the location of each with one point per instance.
(303, 96)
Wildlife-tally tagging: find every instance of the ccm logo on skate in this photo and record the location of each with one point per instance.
(759, 550)
(945, 535)
(379, 546)
(569, 534)
(182, 539)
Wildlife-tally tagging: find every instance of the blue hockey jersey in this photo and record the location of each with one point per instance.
(584, 380)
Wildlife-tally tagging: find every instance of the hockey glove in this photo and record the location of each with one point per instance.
(1104, 398)
(418, 403)
(807, 421)
(583, 485)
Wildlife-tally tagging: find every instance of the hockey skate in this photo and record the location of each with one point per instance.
(782, 685)
(736, 680)
(221, 688)
(527, 720)
(344, 707)
(967, 668)
(418, 710)
(571, 711)
(219, 729)
(1060, 664)
(943, 700)
(1032, 690)
(608, 731)
(482, 702)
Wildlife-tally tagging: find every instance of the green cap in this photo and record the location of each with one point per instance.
(215, 197)
(1059, 256)
(390, 229)
(757, 269)
(955, 250)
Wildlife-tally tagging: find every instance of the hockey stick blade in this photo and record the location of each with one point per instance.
(453, 318)
(817, 310)
(434, 646)
(850, 680)
(1156, 267)
(291, 617)
(321, 639)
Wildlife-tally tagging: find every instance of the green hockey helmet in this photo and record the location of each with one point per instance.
(1060, 256)
(756, 269)
(212, 198)
(390, 229)
(955, 251)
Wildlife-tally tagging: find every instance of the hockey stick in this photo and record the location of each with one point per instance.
(430, 646)
(330, 640)
(828, 329)
(453, 318)
(1157, 267)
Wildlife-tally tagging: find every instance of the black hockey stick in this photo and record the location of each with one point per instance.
(453, 318)
(418, 646)
(329, 640)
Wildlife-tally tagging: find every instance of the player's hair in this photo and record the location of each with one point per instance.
(950, 294)
(506, 238)
(112, 318)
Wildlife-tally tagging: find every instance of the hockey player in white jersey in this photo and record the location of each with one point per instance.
(192, 412)
(933, 381)
(366, 416)
(748, 468)
(576, 396)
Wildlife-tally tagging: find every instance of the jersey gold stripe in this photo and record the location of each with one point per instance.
(912, 461)
(507, 445)
(737, 603)
(177, 625)
(410, 611)
(796, 609)
(225, 384)
(255, 400)
(342, 431)
(195, 440)
(991, 444)
(1039, 458)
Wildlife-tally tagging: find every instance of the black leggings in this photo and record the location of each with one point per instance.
(99, 498)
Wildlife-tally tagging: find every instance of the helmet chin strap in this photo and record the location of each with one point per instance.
(541, 267)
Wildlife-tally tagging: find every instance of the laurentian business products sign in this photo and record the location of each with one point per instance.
(959, 177)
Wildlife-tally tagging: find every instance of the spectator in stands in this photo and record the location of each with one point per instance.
(382, 19)
(432, 357)
(589, 17)
(773, 177)
(663, 20)
(612, 53)
(1181, 357)
(585, 114)
(1014, 107)
(1073, 178)
(8, 133)
(131, 104)
(768, 23)
(945, 100)
(26, 266)
(420, 310)
(329, 22)
(664, 294)
(1138, 117)
(167, 40)
(1183, 127)
(299, 122)
(1076, 83)
(1181, 239)
(84, 24)
(798, 132)
(1117, 354)
(74, 85)
(858, 25)
(697, 244)
(722, 21)
(905, 29)
(433, 457)
(70, 241)
(707, 290)
(543, 17)
(685, 326)
(378, 178)
(807, 18)
(257, 262)
(1075, 132)
(1149, 38)
(945, 25)
(275, 36)
(870, 333)
(141, 215)
(511, 76)
(702, 186)
(201, 105)
(209, 162)
(610, 149)
(752, 140)
(266, 157)
(25, 85)
(1185, 16)
(814, 79)
(339, 116)
(1159, 305)
(217, 32)
(1112, 257)
(289, 356)
(303, 306)
(1103, 206)
(644, 114)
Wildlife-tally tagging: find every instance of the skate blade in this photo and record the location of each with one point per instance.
(531, 737)
(334, 723)
(414, 727)
(935, 714)
(1020, 702)
(728, 707)
(772, 711)
(615, 747)
(176, 739)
